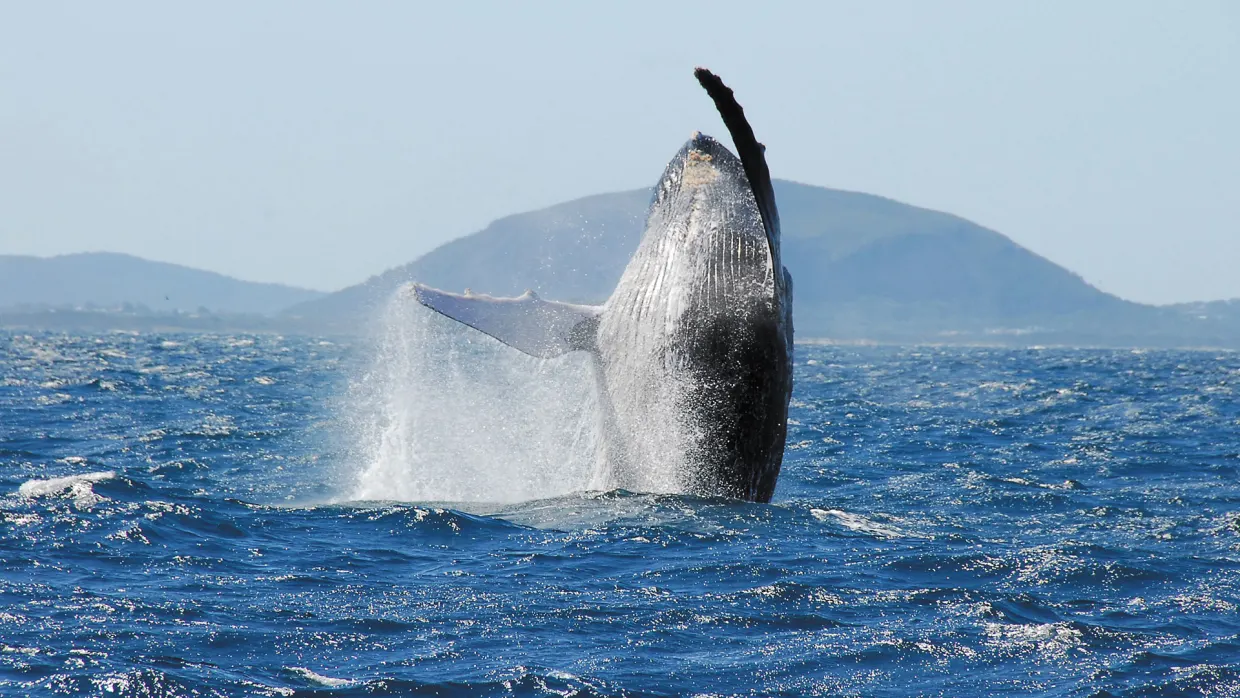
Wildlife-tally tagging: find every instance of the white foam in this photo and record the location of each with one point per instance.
(446, 413)
(319, 679)
(1053, 639)
(858, 523)
(1065, 485)
(76, 486)
(56, 485)
(15, 519)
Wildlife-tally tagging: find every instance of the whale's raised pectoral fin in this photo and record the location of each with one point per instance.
(526, 323)
(751, 152)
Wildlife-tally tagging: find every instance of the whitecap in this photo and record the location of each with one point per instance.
(1065, 485)
(312, 677)
(77, 486)
(858, 523)
(19, 519)
(1053, 639)
(56, 485)
(53, 399)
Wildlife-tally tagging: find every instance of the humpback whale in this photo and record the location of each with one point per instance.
(692, 353)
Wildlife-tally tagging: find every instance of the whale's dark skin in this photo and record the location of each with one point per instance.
(693, 350)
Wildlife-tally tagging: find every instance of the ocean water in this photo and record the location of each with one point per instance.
(197, 515)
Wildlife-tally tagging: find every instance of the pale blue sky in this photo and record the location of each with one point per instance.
(320, 143)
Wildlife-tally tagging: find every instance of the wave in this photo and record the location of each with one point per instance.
(78, 487)
(191, 680)
(318, 679)
(860, 524)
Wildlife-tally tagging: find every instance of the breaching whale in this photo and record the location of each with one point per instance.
(692, 353)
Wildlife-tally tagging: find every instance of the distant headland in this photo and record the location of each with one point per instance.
(865, 268)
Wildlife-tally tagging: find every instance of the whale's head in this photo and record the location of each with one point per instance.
(704, 172)
(704, 211)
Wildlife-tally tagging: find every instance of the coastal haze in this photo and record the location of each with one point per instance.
(866, 268)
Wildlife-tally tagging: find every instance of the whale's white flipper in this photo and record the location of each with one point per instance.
(526, 323)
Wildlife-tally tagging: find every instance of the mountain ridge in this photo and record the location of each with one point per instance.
(864, 267)
(109, 279)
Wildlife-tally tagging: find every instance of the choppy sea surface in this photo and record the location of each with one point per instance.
(254, 515)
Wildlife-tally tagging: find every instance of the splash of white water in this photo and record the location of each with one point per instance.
(446, 413)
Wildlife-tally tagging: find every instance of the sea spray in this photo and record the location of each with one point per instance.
(445, 413)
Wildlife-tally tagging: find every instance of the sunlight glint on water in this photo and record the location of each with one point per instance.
(949, 522)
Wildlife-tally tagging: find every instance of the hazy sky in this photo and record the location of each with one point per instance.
(317, 144)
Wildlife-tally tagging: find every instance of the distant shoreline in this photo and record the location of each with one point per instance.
(104, 322)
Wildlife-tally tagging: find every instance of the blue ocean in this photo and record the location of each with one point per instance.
(411, 514)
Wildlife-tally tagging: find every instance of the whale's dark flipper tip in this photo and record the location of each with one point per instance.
(725, 101)
(751, 152)
(713, 84)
